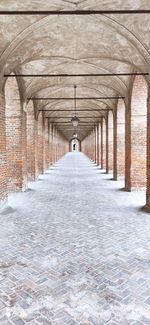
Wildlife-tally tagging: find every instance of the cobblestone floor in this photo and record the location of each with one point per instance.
(74, 249)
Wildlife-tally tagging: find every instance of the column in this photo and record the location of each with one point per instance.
(3, 156)
(115, 145)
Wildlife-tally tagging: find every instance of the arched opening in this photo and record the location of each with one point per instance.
(138, 133)
(15, 137)
(75, 145)
(110, 142)
(121, 138)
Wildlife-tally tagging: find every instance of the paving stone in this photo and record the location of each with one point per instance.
(75, 250)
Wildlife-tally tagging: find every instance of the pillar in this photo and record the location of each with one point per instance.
(110, 142)
(128, 148)
(98, 144)
(40, 144)
(16, 138)
(102, 143)
(107, 146)
(147, 206)
(32, 143)
(121, 138)
(3, 156)
(115, 145)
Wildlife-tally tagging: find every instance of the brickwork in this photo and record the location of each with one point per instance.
(50, 144)
(110, 142)
(15, 138)
(101, 143)
(3, 156)
(104, 144)
(98, 144)
(147, 206)
(128, 148)
(32, 143)
(121, 138)
(47, 164)
(138, 133)
(40, 144)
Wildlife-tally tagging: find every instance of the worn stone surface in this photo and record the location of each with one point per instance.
(74, 249)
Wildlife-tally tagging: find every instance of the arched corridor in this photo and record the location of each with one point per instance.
(74, 162)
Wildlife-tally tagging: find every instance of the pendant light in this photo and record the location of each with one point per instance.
(75, 120)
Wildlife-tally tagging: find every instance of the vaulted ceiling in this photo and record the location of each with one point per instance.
(72, 44)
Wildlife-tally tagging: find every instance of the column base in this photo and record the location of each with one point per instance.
(3, 204)
(127, 189)
(146, 208)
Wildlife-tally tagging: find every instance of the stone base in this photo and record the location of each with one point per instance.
(3, 204)
(146, 208)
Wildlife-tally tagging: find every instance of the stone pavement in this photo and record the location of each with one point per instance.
(75, 249)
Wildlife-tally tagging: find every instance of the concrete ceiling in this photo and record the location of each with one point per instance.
(38, 44)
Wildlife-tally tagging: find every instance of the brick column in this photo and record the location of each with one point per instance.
(110, 143)
(128, 149)
(115, 146)
(46, 144)
(102, 144)
(147, 206)
(107, 147)
(32, 143)
(50, 144)
(95, 135)
(44, 141)
(53, 145)
(98, 144)
(3, 156)
(16, 145)
(121, 138)
(40, 144)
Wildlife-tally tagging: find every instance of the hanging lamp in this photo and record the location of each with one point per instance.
(75, 120)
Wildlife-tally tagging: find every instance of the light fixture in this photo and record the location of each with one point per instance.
(75, 120)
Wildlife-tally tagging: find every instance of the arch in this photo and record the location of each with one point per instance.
(75, 145)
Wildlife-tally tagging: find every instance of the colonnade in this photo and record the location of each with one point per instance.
(120, 141)
(29, 142)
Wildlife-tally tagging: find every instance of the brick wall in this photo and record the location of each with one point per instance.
(3, 157)
(138, 133)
